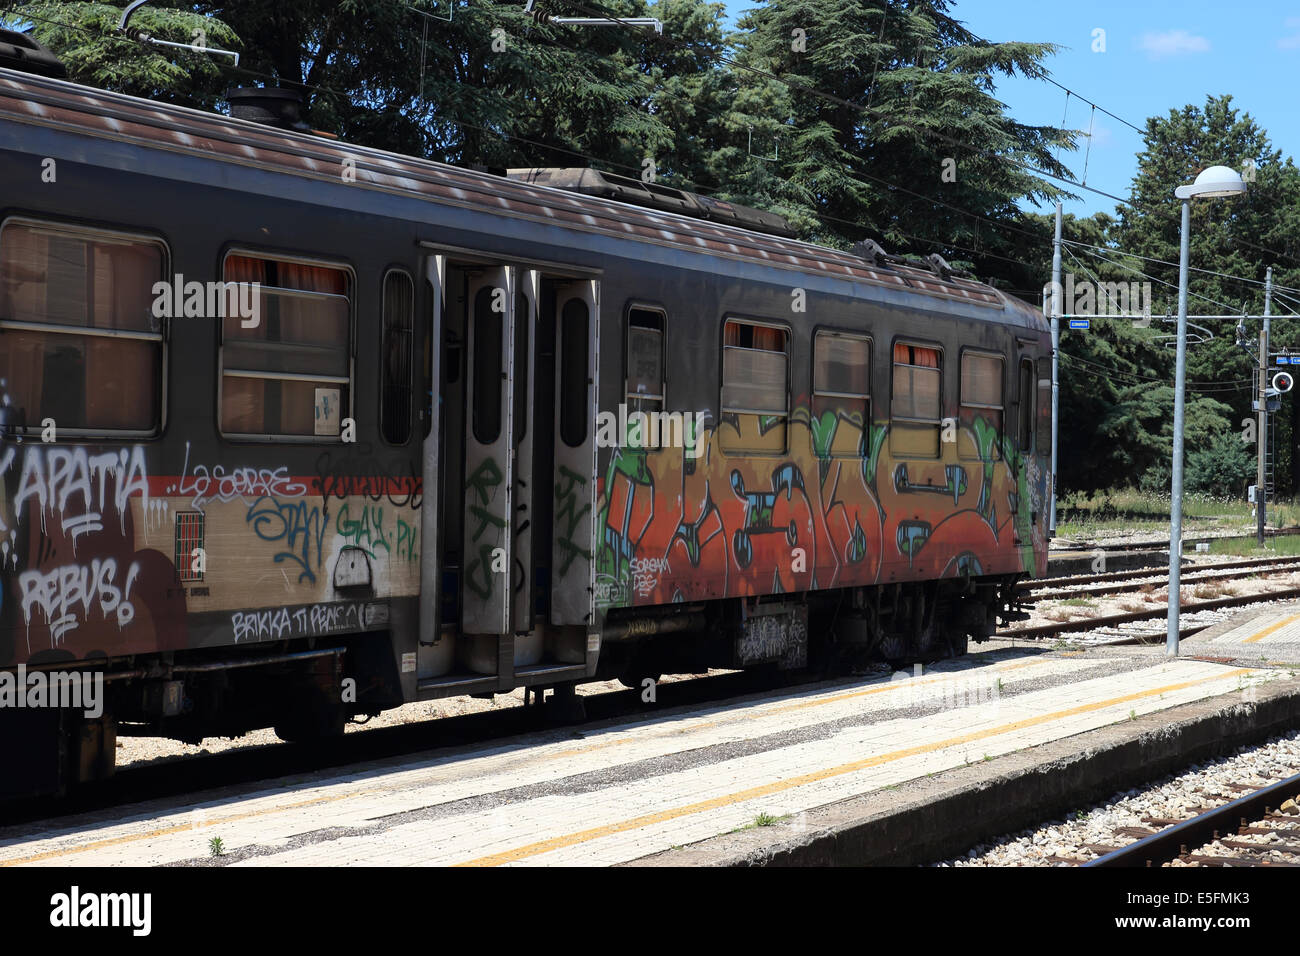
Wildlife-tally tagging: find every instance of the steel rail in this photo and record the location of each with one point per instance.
(1170, 843)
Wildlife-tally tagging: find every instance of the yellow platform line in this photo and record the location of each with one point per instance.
(790, 783)
(1269, 630)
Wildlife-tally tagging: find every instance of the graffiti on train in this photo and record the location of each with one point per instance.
(485, 514)
(296, 526)
(68, 544)
(280, 623)
(73, 486)
(204, 484)
(362, 471)
(67, 595)
(378, 531)
(836, 509)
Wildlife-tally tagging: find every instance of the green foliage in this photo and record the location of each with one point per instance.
(1223, 467)
(85, 37)
(882, 93)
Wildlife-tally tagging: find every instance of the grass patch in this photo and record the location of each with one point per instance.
(1273, 547)
(1089, 515)
(762, 820)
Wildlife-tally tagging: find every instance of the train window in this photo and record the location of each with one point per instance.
(289, 373)
(80, 342)
(981, 400)
(842, 386)
(487, 371)
(396, 349)
(574, 343)
(645, 371)
(1044, 406)
(755, 387)
(916, 402)
(1026, 405)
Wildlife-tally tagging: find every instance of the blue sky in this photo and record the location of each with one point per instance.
(1159, 55)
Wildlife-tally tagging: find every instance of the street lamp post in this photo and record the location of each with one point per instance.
(1213, 182)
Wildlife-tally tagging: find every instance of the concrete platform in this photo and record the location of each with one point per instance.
(882, 768)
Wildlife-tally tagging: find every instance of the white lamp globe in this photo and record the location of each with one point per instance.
(1213, 182)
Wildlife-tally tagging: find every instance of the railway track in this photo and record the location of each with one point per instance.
(1158, 545)
(1247, 832)
(1150, 614)
(1121, 582)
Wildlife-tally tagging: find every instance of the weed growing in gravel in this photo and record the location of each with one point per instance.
(1132, 715)
(216, 846)
(764, 819)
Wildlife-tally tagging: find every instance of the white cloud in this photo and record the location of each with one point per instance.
(1173, 43)
(1292, 41)
(1102, 136)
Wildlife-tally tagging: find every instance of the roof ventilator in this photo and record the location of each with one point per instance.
(20, 52)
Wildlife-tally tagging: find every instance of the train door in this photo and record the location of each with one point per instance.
(574, 494)
(488, 552)
(512, 476)
(524, 570)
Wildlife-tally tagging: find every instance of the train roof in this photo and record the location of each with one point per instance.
(61, 104)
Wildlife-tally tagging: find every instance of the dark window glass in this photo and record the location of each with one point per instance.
(755, 388)
(487, 368)
(399, 322)
(842, 386)
(916, 401)
(1026, 406)
(575, 343)
(1044, 406)
(288, 372)
(645, 372)
(981, 398)
(79, 342)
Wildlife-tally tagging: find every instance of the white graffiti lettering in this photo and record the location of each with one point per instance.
(73, 484)
(244, 484)
(260, 625)
(67, 595)
(283, 622)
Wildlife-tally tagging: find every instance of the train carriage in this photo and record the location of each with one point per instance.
(293, 430)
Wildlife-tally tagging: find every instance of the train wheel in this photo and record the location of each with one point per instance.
(634, 678)
(565, 706)
(317, 717)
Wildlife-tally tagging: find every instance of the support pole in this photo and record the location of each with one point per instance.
(1056, 352)
(1261, 432)
(1176, 492)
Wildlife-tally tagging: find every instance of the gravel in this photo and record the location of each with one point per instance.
(1200, 787)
